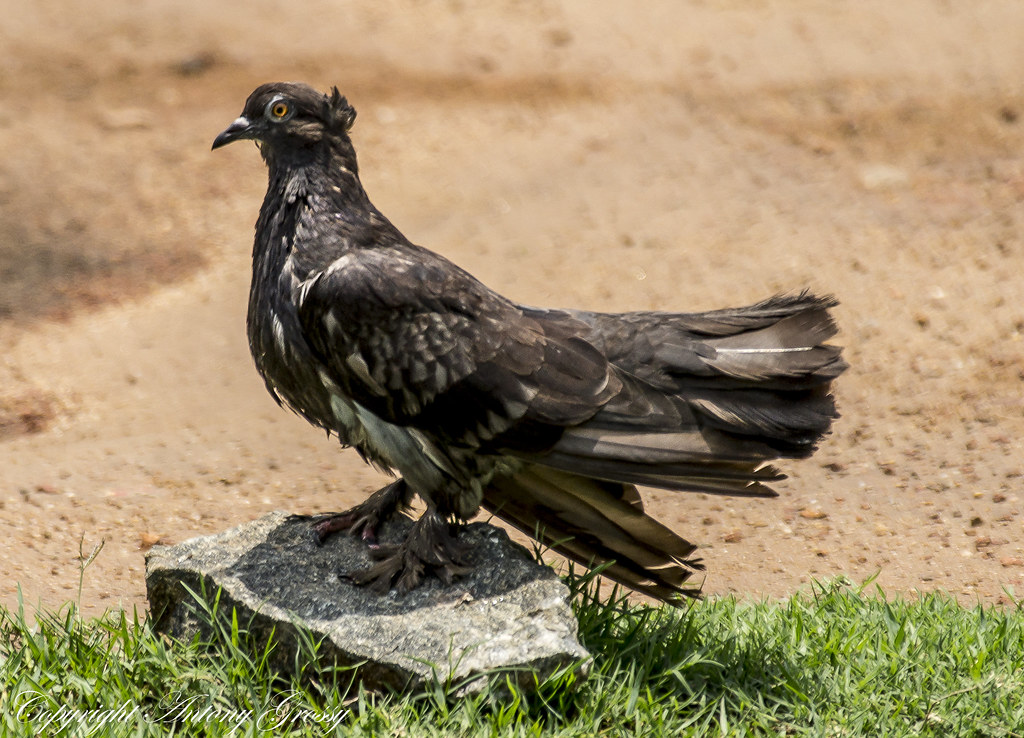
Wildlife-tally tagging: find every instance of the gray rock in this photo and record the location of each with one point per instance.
(509, 613)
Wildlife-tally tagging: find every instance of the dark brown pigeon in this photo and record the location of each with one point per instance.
(547, 418)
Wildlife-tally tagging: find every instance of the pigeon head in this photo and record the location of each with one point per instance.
(290, 116)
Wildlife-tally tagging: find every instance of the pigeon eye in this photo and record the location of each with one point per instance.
(278, 109)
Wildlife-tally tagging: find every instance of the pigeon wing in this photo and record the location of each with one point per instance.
(420, 342)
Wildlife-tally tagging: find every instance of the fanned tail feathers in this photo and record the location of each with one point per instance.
(706, 400)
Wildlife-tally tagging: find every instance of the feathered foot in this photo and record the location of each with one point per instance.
(364, 519)
(430, 546)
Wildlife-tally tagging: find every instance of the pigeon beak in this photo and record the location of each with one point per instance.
(241, 128)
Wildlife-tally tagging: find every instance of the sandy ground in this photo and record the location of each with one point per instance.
(695, 155)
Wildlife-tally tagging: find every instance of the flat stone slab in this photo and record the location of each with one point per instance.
(509, 613)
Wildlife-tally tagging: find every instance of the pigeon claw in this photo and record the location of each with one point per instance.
(363, 520)
(431, 546)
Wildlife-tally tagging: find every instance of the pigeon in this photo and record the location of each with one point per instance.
(547, 418)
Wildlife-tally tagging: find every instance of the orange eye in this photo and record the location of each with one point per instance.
(278, 110)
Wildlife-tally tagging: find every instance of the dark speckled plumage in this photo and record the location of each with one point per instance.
(545, 417)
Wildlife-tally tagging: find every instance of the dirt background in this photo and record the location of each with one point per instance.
(669, 155)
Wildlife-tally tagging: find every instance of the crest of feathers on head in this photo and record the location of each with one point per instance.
(337, 113)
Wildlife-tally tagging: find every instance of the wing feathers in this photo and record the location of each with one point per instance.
(676, 477)
(585, 521)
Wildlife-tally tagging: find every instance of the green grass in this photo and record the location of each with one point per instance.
(835, 661)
